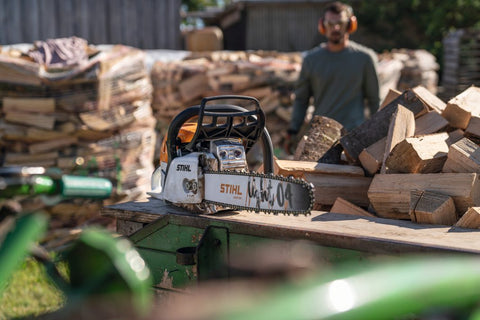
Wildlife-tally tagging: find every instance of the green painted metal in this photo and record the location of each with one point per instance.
(16, 245)
(213, 253)
(159, 242)
(399, 288)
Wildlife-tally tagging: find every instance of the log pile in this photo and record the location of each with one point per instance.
(417, 158)
(267, 76)
(92, 117)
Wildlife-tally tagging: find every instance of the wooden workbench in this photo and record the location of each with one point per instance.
(366, 234)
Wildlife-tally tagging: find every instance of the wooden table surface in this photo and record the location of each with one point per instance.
(367, 234)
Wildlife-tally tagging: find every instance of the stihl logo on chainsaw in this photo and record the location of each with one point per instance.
(230, 189)
(183, 167)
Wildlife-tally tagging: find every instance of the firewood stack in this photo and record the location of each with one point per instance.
(267, 76)
(80, 109)
(417, 158)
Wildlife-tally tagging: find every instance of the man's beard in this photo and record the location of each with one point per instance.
(335, 38)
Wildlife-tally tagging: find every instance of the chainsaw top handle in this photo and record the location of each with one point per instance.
(217, 121)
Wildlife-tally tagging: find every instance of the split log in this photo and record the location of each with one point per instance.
(391, 95)
(389, 194)
(377, 126)
(432, 208)
(371, 157)
(321, 142)
(343, 206)
(40, 105)
(424, 154)
(430, 122)
(431, 101)
(31, 119)
(471, 219)
(462, 107)
(463, 156)
(402, 125)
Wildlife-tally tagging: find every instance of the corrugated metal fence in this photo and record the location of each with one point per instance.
(145, 24)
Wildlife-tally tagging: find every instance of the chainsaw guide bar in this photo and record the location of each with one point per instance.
(258, 192)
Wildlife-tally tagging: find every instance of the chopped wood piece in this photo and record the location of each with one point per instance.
(430, 122)
(51, 145)
(471, 219)
(389, 194)
(193, 87)
(432, 208)
(371, 157)
(329, 187)
(463, 156)
(431, 101)
(391, 95)
(41, 105)
(423, 154)
(473, 129)
(402, 125)
(377, 126)
(37, 120)
(321, 142)
(343, 206)
(298, 169)
(461, 108)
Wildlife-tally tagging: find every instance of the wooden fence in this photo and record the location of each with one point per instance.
(145, 24)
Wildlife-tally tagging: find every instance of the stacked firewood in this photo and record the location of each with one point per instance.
(86, 117)
(267, 76)
(417, 159)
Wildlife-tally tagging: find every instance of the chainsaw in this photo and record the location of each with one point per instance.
(203, 163)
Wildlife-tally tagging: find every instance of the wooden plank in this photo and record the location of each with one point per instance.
(367, 234)
(463, 156)
(402, 125)
(329, 187)
(471, 219)
(422, 154)
(343, 206)
(12, 158)
(298, 169)
(371, 157)
(430, 122)
(431, 101)
(432, 208)
(461, 108)
(389, 194)
(377, 126)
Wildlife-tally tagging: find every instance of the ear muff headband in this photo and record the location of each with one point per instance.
(351, 27)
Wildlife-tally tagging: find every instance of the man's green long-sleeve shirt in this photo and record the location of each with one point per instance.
(339, 82)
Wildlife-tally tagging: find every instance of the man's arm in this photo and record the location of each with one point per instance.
(371, 85)
(302, 98)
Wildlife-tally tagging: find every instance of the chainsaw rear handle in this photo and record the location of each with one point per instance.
(39, 181)
(249, 126)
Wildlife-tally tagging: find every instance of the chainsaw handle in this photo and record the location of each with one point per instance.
(251, 129)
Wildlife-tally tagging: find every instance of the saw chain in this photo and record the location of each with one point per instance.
(260, 196)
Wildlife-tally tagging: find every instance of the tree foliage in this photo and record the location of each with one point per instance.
(416, 23)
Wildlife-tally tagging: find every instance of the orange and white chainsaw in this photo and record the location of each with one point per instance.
(203, 162)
